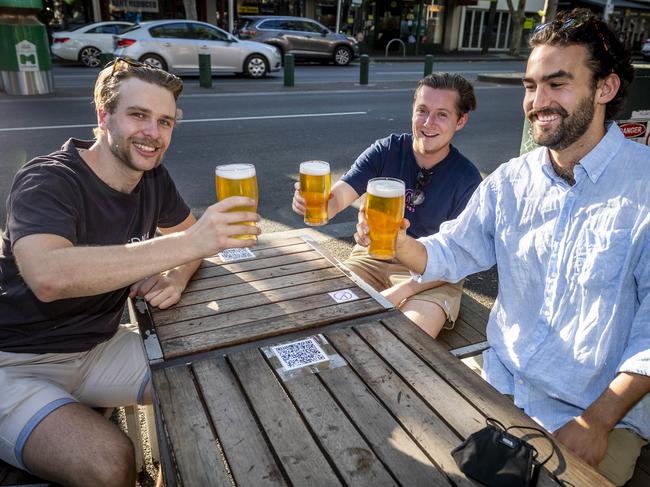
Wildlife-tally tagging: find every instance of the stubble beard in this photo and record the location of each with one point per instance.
(571, 127)
(120, 149)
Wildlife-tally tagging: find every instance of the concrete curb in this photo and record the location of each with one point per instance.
(504, 78)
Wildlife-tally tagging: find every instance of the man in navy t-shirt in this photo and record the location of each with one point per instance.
(439, 181)
(80, 238)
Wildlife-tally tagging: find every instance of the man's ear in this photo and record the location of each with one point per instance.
(101, 118)
(462, 120)
(607, 88)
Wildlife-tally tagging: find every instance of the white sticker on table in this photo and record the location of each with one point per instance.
(230, 255)
(301, 353)
(343, 296)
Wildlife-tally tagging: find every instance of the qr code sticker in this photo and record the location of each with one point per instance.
(229, 255)
(299, 354)
(343, 296)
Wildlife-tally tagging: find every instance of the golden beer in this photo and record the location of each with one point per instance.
(384, 212)
(315, 189)
(237, 180)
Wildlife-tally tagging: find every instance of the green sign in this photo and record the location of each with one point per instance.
(23, 47)
(31, 4)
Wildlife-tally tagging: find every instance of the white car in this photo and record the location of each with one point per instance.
(175, 45)
(645, 50)
(86, 42)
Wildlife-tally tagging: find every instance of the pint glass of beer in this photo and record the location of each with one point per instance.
(237, 180)
(384, 212)
(315, 189)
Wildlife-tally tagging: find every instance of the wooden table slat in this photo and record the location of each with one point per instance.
(215, 307)
(194, 446)
(292, 441)
(275, 320)
(254, 287)
(253, 264)
(464, 418)
(390, 442)
(429, 431)
(249, 456)
(262, 253)
(493, 404)
(257, 274)
(356, 462)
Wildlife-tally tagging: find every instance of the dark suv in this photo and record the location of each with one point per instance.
(304, 38)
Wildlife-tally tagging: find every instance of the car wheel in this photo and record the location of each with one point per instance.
(255, 66)
(154, 60)
(342, 56)
(89, 56)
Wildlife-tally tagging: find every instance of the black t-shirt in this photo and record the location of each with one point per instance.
(453, 180)
(59, 194)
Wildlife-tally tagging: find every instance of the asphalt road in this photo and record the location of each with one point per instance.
(242, 120)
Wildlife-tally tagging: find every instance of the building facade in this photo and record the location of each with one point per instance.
(410, 26)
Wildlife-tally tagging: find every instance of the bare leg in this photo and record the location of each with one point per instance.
(159, 482)
(75, 446)
(427, 315)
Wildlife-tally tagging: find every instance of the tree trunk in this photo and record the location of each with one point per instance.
(190, 9)
(518, 18)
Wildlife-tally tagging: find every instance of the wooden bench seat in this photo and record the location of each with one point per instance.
(641, 476)
(467, 338)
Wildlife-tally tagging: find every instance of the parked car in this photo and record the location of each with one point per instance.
(304, 38)
(645, 50)
(84, 43)
(175, 45)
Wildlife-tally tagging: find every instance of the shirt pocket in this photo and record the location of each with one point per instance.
(600, 260)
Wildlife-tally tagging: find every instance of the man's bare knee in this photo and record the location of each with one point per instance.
(428, 316)
(116, 467)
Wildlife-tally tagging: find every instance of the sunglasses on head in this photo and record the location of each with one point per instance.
(572, 24)
(424, 178)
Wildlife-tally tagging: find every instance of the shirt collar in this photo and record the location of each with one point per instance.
(596, 161)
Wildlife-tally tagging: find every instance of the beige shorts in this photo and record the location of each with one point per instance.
(112, 374)
(383, 274)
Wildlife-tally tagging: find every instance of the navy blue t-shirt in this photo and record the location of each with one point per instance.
(59, 194)
(453, 180)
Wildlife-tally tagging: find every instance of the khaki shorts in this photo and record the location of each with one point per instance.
(623, 445)
(112, 374)
(383, 274)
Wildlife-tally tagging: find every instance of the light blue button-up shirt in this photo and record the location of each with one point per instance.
(573, 306)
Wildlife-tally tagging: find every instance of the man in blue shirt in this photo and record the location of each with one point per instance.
(568, 226)
(439, 181)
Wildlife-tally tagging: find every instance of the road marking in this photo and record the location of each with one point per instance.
(197, 120)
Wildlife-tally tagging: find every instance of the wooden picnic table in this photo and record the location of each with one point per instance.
(378, 402)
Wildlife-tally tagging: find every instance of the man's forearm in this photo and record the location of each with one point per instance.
(85, 271)
(412, 254)
(622, 394)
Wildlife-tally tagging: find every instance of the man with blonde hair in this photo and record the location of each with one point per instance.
(80, 238)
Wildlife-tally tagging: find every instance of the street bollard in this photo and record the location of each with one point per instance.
(363, 70)
(205, 71)
(289, 70)
(428, 64)
(105, 58)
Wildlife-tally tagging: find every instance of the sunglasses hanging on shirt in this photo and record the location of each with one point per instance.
(424, 178)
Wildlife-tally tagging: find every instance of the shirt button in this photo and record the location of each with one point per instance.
(520, 382)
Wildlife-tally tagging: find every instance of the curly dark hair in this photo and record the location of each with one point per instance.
(606, 53)
(453, 82)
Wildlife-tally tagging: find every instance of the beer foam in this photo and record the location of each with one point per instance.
(314, 168)
(386, 188)
(235, 171)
